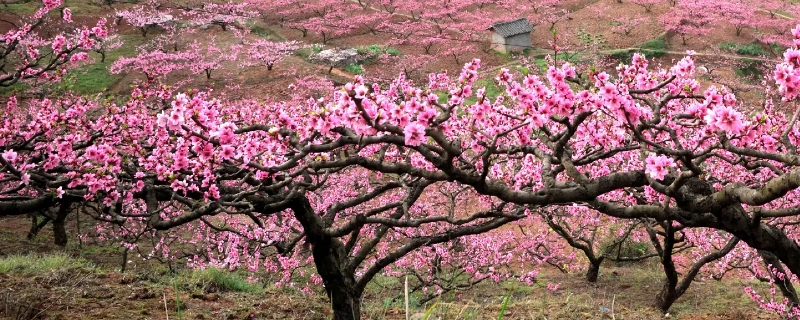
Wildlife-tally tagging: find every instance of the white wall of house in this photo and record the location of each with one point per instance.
(518, 42)
(498, 42)
(513, 43)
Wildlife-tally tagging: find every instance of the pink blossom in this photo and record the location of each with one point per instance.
(10, 155)
(25, 178)
(723, 118)
(414, 133)
(658, 166)
(67, 15)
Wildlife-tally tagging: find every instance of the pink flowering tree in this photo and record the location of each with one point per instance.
(689, 19)
(228, 14)
(268, 53)
(647, 4)
(349, 174)
(146, 18)
(205, 58)
(741, 14)
(153, 64)
(26, 55)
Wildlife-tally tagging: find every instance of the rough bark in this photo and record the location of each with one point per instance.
(594, 270)
(330, 258)
(36, 226)
(59, 228)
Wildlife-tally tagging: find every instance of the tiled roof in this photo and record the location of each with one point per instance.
(512, 28)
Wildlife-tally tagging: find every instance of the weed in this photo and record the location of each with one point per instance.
(369, 53)
(394, 52)
(216, 280)
(627, 248)
(504, 306)
(750, 49)
(354, 69)
(655, 44)
(307, 52)
(266, 33)
(35, 264)
(751, 70)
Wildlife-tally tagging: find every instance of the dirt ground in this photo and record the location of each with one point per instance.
(88, 284)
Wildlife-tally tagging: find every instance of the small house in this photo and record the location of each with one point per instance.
(512, 35)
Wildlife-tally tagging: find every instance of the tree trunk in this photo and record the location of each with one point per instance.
(330, 258)
(60, 232)
(124, 264)
(340, 284)
(594, 270)
(59, 229)
(36, 226)
(666, 297)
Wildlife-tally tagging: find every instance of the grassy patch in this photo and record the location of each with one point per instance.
(306, 52)
(751, 71)
(655, 44)
(266, 33)
(96, 78)
(542, 65)
(750, 49)
(217, 280)
(354, 69)
(370, 53)
(34, 264)
(627, 248)
(376, 50)
(505, 55)
(625, 56)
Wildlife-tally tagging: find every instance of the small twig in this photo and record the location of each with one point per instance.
(613, 298)
(166, 310)
(406, 295)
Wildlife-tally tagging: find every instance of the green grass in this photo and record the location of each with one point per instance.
(750, 49)
(751, 70)
(36, 264)
(96, 78)
(655, 44)
(354, 69)
(306, 52)
(266, 33)
(492, 91)
(215, 280)
(541, 63)
(89, 79)
(373, 51)
(625, 55)
(93, 79)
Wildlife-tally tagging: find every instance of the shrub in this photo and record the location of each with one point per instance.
(750, 70)
(372, 51)
(354, 69)
(392, 51)
(750, 49)
(655, 44)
